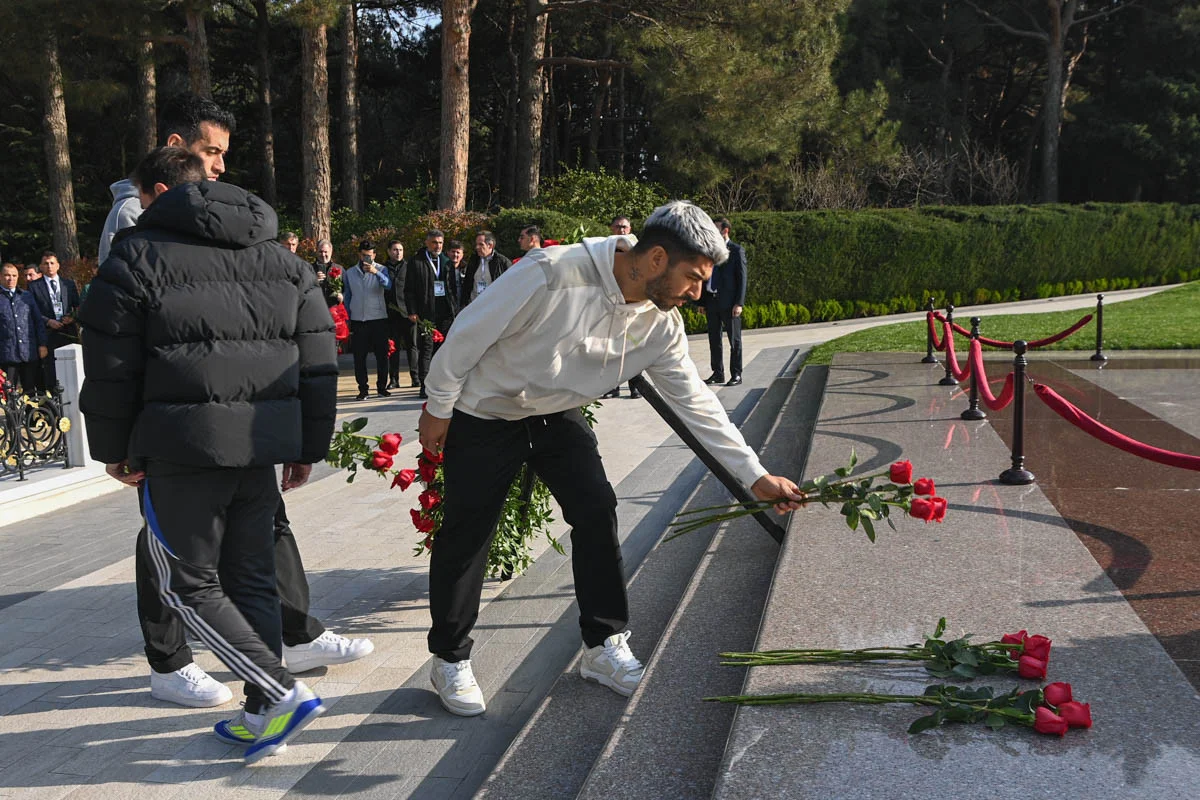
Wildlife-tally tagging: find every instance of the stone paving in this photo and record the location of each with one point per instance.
(76, 718)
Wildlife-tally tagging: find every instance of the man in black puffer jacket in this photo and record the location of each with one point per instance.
(210, 358)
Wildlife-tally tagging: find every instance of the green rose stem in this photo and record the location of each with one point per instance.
(768, 658)
(870, 698)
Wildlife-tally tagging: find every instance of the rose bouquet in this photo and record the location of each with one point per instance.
(430, 330)
(1050, 710)
(861, 500)
(333, 278)
(959, 658)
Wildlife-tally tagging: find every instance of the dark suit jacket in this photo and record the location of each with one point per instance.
(497, 265)
(40, 289)
(418, 286)
(729, 282)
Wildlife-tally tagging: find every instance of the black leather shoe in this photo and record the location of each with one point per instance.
(361, 396)
(736, 380)
(422, 395)
(714, 379)
(384, 393)
(394, 383)
(613, 393)
(634, 394)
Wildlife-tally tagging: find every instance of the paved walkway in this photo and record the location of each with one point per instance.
(76, 718)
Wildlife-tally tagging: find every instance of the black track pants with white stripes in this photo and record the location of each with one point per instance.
(211, 546)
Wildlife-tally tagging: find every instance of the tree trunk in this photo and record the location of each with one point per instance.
(456, 103)
(147, 90)
(352, 190)
(621, 123)
(266, 120)
(199, 70)
(1052, 110)
(503, 165)
(533, 89)
(599, 104)
(58, 154)
(314, 124)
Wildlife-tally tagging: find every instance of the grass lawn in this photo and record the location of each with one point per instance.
(1169, 320)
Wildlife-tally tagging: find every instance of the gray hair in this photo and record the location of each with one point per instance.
(688, 228)
(322, 242)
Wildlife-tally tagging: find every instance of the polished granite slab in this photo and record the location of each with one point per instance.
(1005, 559)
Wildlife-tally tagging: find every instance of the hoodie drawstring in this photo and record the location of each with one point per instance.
(624, 340)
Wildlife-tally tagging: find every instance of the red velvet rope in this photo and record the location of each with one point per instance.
(937, 344)
(1073, 415)
(1009, 345)
(985, 391)
(959, 373)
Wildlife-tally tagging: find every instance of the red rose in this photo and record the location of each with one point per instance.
(404, 479)
(334, 272)
(390, 443)
(1046, 721)
(1032, 668)
(380, 461)
(437, 336)
(1014, 638)
(391, 347)
(1057, 693)
(429, 499)
(922, 508)
(424, 406)
(1038, 647)
(436, 458)
(421, 522)
(428, 471)
(901, 472)
(1077, 715)
(939, 508)
(428, 542)
(924, 486)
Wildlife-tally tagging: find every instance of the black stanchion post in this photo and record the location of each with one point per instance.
(929, 358)
(973, 410)
(948, 379)
(1017, 475)
(1099, 354)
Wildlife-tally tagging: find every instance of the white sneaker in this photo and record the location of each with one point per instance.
(189, 686)
(326, 649)
(613, 665)
(456, 687)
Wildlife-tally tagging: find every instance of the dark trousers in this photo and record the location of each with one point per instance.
(166, 645)
(402, 334)
(370, 337)
(212, 556)
(561, 450)
(724, 318)
(426, 349)
(25, 374)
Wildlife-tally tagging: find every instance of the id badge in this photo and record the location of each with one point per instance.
(439, 288)
(479, 287)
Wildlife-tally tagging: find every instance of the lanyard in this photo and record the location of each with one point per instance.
(435, 265)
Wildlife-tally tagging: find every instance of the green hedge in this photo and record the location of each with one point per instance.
(863, 263)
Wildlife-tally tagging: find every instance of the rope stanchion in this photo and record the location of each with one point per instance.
(994, 402)
(1099, 354)
(948, 339)
(973, 411)
(929, 358)
(1065, 409)
(953, 370)
(1017, 475)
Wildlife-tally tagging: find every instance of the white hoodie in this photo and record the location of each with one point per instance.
(554, 333)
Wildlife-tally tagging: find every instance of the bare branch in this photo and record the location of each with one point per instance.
(1108, 12)
(595, 63)
(999, 23)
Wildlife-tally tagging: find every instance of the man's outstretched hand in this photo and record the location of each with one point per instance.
(785, 491)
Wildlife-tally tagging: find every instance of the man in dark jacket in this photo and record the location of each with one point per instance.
(399, 325)
(58, 299)
(724, 296)
(22, 332)
(210, 358)
(430, 293)
(483, 268)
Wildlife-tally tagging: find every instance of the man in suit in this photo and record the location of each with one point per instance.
(22, 333)
(57, 298)
(724, 296)
(483, 269)
(399, 326)
(430, 293)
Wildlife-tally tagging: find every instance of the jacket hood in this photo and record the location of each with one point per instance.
(123, 190)
(219, 212)
(603, 251)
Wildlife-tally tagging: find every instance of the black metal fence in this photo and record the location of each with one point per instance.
(33, 432)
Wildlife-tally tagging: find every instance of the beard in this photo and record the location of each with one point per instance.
(657, 293)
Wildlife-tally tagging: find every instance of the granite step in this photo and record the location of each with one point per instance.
(554, 752)
(675, 738)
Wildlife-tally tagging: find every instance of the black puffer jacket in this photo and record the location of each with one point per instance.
(205, 342)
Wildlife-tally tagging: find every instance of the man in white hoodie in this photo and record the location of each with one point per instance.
(505, 390)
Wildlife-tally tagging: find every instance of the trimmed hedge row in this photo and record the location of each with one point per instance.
(897, 257)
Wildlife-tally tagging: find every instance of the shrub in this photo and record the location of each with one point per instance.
(600, 195)
(509, 223)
